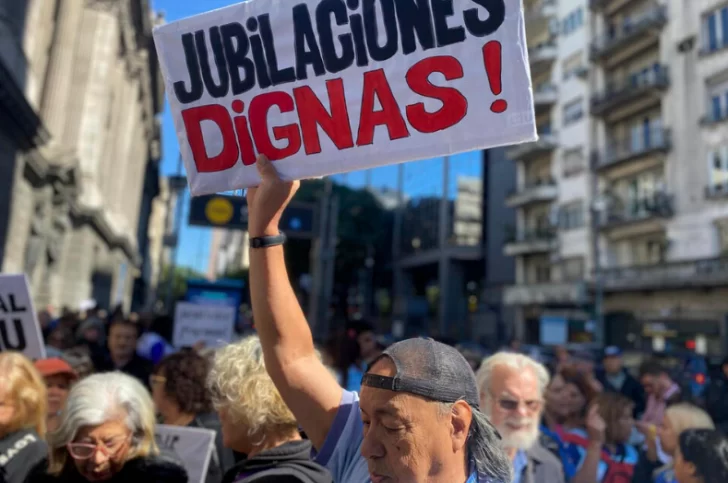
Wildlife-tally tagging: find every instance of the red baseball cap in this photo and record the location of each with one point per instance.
(55, 367)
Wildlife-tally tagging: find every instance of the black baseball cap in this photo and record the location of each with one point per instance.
(429, 369)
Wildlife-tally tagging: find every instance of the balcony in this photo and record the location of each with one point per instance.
(538, 17)
(537, 192)
(716, 191)
(545, 97)
(687, 274)
(528, 242)
(637, 91)
(655, 141)
(575, 293)
(607, 6)
(632, 36)
(657, 206)
(542, 57)
(545, 144)
(716, 116)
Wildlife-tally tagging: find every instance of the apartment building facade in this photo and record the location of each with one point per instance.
(626, 202)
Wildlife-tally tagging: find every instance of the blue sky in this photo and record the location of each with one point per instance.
(421, 178)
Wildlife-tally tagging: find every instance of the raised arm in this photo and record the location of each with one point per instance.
(305, 384)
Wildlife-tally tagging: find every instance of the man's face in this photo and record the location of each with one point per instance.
(514, 402)
(613, 364)
(122, 340)
(407, 439)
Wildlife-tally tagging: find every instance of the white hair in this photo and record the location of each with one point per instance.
(100, 398)
(515, 361)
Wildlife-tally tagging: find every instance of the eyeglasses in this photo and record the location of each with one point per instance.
(512, 405)
(84, 451)
(154, 379)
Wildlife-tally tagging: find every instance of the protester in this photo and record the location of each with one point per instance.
(717, 397)
(661, 391)
(22, 418)
(511, 389)
(567, 399)
(181, 398)
(256, 421)
(123, 335)
(107, 434)
(702, 457)
(59, 376)
(58, 339)
(80, 362)
(678, 418)
(615, 378)
(418, 416)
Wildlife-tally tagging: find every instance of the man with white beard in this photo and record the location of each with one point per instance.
(511, 394)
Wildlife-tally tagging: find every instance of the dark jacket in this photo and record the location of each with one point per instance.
(716, 402)
(631, 389)
(222, 458)
(136, 367)
(20, 453)
(153, 469)
(288, 463)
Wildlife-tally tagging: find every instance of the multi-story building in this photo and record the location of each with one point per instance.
(229, 252)
(622, 202)
(79, 95)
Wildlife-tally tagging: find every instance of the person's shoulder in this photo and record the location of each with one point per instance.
(156, 468)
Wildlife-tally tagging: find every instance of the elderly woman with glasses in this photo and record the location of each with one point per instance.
(106, 433)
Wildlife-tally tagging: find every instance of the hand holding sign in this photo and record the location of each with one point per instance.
(333, 91)
(267, 202)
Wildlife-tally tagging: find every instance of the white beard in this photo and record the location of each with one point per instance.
(523, 438)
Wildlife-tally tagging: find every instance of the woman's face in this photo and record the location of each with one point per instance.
(233, 434)
(555, 397)
(668, 436)
(574, 400)
(623, 427)
(7, 409)
(99, 452)
(58, 387)
(684, 471)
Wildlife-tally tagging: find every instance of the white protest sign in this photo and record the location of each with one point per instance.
(211, 324)
(331, 86)
(19, 329)
(193, 447)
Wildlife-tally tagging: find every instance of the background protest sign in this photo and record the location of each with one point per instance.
(193, 447)
(212, 324)
(19, 329)
(330, 86)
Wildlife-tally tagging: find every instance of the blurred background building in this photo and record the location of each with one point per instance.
(80, 91)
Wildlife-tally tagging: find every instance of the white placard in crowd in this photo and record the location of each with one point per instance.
(211, 324)
(192, 446)
(19, 329)
(331, 86)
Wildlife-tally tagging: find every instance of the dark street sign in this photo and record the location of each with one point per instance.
(231, 213)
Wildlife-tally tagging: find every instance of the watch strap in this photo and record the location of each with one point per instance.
(268, 241)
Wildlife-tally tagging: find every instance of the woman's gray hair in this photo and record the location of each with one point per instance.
(484, 449)
(98, 399)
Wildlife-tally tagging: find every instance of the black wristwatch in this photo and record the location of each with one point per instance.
(268, 241)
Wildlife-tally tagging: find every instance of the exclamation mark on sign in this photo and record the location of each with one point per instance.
(492, 61)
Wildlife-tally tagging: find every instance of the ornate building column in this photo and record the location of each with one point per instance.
(57, 88)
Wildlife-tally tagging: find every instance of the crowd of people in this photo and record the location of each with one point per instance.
(355, 409)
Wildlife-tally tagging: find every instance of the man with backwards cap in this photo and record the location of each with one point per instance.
(417, 418)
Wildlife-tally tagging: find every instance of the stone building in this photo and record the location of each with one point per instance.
(80, 92)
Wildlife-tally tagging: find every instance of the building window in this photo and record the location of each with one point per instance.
(573, 162)
(572, 66)
(543, 273)
(718, 166)
(715, 30)
(572, 216)
(573, 21)
(718, 102)
(573, 111)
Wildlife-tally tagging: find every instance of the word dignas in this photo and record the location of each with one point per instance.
(244, 135)
(245, 56)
